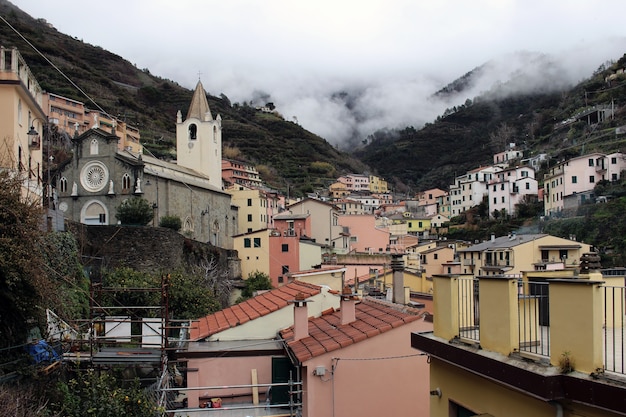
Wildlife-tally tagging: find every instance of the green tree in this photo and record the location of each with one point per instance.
(126, 284)
(256, 281)
(171, 222)
(102, 395)
(134, 211)
(23, 280)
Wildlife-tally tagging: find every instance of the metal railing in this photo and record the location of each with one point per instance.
(469, 313)
(533, 318)
(614, 321)
(293, 403)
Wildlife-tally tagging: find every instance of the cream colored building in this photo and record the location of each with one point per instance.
(541, 353)
(254, 252)
(325, 228)
(21, 109)
(515, 254)
(256, 207)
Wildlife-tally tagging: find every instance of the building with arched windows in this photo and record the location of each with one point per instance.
(100, 177)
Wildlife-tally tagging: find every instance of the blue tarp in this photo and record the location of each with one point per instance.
(42, 352)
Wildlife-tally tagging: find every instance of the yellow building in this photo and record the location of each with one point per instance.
(256, 207)
(514, 254)
(254, 251)
(21, 109)
(417, 225)
(377, 184)
(548, 345)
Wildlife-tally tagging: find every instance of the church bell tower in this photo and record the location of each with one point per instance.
(199, 139)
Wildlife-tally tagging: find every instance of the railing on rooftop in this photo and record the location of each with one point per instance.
(533, 308)
(220, 405)
(614, 320)
(469, 313)
(533, 319)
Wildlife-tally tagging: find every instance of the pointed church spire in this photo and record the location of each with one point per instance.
(199, 105)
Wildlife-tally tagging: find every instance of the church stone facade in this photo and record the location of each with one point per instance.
(100, 177)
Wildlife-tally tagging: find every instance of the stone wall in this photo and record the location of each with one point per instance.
(147, 249)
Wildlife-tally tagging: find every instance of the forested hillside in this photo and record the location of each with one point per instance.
(287, 154)
(466, 136)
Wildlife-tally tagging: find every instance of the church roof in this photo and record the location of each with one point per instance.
(199, 104)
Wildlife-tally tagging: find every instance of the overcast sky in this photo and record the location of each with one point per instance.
(393, 53)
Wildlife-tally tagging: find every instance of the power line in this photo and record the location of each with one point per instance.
(56, 68)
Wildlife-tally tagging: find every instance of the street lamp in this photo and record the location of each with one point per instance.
(32, 134)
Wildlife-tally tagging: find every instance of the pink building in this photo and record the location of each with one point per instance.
(355, 182)
(364, 236)
(576, 178)
(431, 196)
(227, 345)
(285, 245)
(242, 173)
(358, 361)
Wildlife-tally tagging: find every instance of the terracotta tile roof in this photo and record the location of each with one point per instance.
(251, 309)
(373, 317)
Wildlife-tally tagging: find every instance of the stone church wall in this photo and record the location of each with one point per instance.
(146, 249)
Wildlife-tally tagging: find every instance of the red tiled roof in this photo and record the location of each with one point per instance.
(251, 309)
(326, 334)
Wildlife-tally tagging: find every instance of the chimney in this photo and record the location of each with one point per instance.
(300, 317)
(347, 309)
(493, 237)
(397, 266)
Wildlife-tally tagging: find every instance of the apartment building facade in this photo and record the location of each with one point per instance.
(469, 189)
(511, 187)
(578, 177)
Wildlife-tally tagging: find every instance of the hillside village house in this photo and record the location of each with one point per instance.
(350, 207)
(368, 202)
(430, 196)
(240, 173)
(506, 157)
(377, 185)
(338, 190)
(514, 254)
(277, 252)
(358, 361)
(71, 118)
(364, 236)
(21, 109)
(550, 345)
(237, 346)
(576, 179)
(510, 187)
(100, 177)
(355, 182)
(325, 227)
(256, 206)
(469, 189)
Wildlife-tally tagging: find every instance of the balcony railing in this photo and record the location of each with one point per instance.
(469, 314)
(613, 341)
(533, 321)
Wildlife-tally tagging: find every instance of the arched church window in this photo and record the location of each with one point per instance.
(93, 149)
(193, 131)
(126, 182)
(63, 185)
(187, 225)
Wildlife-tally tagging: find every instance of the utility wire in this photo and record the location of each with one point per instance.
(56, 68)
